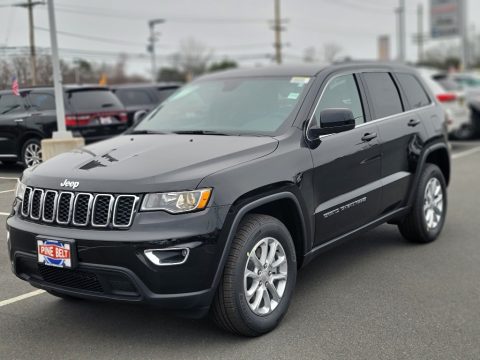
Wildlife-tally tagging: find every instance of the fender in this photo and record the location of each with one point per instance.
(420, 166)
(239, 216)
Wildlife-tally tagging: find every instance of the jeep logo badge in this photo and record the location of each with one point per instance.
(70, 184)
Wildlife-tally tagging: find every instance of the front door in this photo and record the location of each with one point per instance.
(347, 165)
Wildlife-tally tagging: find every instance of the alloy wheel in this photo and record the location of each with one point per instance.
(33, 154)
(265, 276)
(433, 203)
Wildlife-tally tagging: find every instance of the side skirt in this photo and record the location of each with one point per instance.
(340, 239)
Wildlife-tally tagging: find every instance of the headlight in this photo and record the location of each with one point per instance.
(20, 190)
(177, 202)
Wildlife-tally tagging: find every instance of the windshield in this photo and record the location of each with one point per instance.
(234, 106)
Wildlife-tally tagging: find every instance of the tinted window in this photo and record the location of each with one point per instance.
(164, 93)
(416, 95)
(341, 92)
(134, 97)
(39, 101)
(383, 94)
(93, 100)
(10, 103)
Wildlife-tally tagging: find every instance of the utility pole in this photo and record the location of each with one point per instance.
(420, 38)
(277, 28)
(33, 62)
(464, 35)
(151, 45)
(401, 31)
(57, 76)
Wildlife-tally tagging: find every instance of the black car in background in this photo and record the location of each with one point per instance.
(143, 97)
(92, 112)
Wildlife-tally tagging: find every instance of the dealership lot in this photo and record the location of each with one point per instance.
(376, 297)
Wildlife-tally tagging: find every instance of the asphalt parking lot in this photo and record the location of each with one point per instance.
(376, 297)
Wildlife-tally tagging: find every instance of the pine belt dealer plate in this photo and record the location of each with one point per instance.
(56, 252)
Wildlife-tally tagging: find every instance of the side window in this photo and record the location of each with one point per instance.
(10, 104)
(416, 95)
(40, 101)
(384, 95)
(341, 92)
(134, 97)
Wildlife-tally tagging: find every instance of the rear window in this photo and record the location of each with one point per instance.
(10, 104)
(383, 94)
(416, 95)
(164, 93)
(134, 97)
(93, 100)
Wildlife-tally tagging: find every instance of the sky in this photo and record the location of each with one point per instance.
(98, 30)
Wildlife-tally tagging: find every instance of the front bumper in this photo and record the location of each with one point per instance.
(112, 264)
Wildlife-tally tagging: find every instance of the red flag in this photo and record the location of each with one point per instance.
(15, 89)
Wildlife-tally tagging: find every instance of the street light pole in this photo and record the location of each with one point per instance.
(57, 77)
(151, 46)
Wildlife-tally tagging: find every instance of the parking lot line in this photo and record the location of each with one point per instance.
(466, 153)
(4, 213)
(8, 178)
(6, 191)
(21, 297)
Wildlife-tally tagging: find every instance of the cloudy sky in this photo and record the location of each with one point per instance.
(98, 30)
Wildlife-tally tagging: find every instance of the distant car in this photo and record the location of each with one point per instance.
(143, 97)
(452, 98)
(92, 112)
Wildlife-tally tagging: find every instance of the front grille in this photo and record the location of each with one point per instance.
(79, 209)
(70, 278)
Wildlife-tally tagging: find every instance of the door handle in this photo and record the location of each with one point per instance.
(369, 136)
(413, 122)
(18, 120)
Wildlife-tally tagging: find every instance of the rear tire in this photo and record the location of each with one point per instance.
(426, 218)
(259, 277)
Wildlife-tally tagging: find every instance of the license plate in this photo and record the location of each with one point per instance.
(58, 253)
(106, 120)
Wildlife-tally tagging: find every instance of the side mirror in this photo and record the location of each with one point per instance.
(138, 116)
(333, 121)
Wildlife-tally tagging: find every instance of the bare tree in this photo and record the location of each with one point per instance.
(192, 58)
(310, 55)
(331, 51)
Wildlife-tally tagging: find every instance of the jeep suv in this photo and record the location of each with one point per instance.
(215, 200)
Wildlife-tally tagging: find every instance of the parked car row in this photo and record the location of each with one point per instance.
(460, 101)
(93, 112)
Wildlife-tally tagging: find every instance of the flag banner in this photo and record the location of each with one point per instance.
(15, 88)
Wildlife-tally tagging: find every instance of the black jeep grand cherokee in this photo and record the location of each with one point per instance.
(240, 178)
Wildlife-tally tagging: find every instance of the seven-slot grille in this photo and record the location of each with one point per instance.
(79, 209)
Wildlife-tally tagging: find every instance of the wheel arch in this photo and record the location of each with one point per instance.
(293, 219)
(24, 138)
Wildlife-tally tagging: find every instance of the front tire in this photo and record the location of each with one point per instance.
(426, 218)
(258, 279)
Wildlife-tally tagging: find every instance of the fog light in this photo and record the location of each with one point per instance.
(167, 257)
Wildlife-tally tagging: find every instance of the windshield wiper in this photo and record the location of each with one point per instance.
(201, 132)
(146, 132)
(10, 109)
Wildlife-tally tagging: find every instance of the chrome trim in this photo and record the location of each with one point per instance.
(110, 206)
(156, 261)
(432, 104)
(40, 207)
(89, 209)
(135, 201)
(72, 197)
(54, 213)
(28, 204)
(9, 155)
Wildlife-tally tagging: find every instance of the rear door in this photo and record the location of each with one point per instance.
(13, 114)
(347, 165)
(43, 118)
(401, 130)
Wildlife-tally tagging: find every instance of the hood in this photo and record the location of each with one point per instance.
(145, 163)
